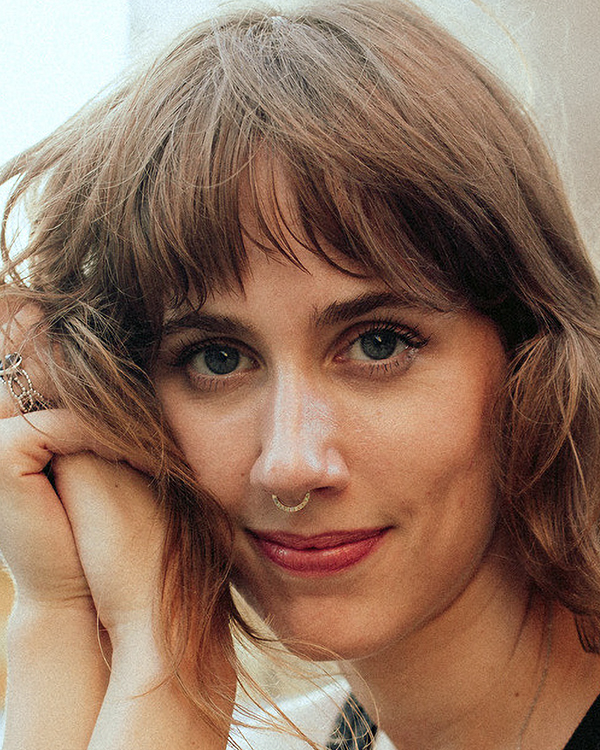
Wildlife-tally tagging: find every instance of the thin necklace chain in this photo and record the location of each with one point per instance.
(548, 632)
(346, 736)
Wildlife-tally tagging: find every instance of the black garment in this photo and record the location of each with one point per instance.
(587, 734)
(354, 730)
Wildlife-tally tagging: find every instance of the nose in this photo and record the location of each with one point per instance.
(298, 450)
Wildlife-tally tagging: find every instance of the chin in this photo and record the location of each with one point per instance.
(344, 649)
(312, 638)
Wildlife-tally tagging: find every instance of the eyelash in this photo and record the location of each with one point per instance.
(181, 352)
(411, 337)
(179, 355)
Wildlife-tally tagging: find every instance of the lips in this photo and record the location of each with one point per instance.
(318, 555)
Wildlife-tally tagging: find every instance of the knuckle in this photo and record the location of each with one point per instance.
(21, 449)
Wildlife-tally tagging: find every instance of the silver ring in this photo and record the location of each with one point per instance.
(18, 382)
(291, 508)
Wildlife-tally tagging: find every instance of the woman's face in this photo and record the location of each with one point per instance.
(317, 381)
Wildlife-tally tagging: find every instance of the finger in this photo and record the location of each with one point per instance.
(35, 534)
(29, 442)
(28, 389)
(108, 490)
(27, 445)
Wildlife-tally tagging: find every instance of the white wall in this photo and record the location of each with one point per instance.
(54, 56)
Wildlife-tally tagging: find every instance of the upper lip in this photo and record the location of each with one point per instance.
(317, 541)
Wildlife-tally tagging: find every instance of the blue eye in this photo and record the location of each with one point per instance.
(379, 344)
(218, 359)
(382, 347)
(221, 360)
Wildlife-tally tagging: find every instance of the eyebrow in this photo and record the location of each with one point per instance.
(334, 314)
(345, 311)
(220, 324)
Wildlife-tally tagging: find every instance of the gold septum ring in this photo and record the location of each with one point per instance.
(291, 508)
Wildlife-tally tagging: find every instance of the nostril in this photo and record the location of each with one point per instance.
(290, 476)
(296, 450)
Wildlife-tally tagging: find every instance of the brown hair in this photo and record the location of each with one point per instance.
(407, 156)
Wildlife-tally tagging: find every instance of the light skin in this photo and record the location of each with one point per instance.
(84, 553)
(399, 443)
(328, 383)
(277, 384)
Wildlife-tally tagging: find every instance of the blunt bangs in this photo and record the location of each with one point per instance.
(365, 132)
(420, 195)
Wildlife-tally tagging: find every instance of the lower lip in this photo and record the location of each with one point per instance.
(319, 562)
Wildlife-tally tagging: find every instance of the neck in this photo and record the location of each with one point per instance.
(467, 677)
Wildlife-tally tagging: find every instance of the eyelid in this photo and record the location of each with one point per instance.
(178, 355)
(410, 333)
(181, 345)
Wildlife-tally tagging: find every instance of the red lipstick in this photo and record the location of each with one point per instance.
(319, 555)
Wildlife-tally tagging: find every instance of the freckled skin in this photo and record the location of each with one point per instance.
(407, 448)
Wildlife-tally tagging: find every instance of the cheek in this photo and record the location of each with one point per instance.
(219, 448)
(428, 440)
(222, 461)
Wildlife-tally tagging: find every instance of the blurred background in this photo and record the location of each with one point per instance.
(55, 55)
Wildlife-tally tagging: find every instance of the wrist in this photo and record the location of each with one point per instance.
(44, 628)
(139, 659)
(31, 612)
(57, 674)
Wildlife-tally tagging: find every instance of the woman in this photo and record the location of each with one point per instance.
(314, 274)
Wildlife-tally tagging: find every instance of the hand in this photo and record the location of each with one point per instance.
(120, 529)
(92, 537)
(36, 539)
(55, 660)
(119, 533)
(36, 534)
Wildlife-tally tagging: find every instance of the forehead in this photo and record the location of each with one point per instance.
(273, 219)
(280, 222)
(278, 294)
(279, 225)
(272, 277)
